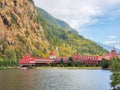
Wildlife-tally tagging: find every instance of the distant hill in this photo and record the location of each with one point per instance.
(107, 47)
(55, 21)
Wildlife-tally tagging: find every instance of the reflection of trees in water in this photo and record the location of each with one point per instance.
(115, 77)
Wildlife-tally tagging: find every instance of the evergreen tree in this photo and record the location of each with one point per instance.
(70, 62)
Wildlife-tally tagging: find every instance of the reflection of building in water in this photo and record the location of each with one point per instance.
(85, 59)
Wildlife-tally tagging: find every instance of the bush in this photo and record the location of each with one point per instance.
(105, 63)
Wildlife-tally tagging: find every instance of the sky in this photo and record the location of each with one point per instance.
(97, 20)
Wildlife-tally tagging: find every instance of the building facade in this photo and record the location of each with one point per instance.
(85, 59)
(29, 60)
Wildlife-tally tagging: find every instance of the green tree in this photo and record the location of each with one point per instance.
(105, 63)
(115, 65)
(115, 77)
(70, 62)
(10, 54)
(61, 62)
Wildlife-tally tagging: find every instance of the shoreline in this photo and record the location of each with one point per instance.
(6, 68)
(77, 68)
(47, 67)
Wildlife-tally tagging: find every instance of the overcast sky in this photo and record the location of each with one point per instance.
(98, 20)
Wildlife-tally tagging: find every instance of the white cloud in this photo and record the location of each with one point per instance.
(79, 13)
(112, 37)
(113, 43)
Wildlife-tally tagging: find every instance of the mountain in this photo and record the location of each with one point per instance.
(55, 21)
(27, 29)
(107, 47)
(64, 39)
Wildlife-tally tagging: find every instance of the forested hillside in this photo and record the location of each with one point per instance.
(64, 39)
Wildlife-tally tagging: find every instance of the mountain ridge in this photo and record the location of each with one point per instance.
(60, 23)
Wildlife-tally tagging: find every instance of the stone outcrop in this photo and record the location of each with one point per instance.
(19, 27)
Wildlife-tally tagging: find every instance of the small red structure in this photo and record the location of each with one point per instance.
(29, 60)
(52, 55)
(26, 60)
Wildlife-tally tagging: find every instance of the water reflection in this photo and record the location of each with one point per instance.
(54, 79)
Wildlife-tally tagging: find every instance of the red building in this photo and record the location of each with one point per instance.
(58, 59)
(110, 55)
(85, 59)
(29, 60)
(95, 59)
(43, 61)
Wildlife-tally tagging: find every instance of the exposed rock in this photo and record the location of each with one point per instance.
(1, 48)
(18, 27)
(5, 20)
(15, 17)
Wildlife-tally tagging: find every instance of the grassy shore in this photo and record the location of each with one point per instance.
(86, 68)
(5, 68)
(49, 67)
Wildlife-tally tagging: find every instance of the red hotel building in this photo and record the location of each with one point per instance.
(85, 59)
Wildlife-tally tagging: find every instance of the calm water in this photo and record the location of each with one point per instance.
(54, 79)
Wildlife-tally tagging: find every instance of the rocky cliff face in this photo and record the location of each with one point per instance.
(19, 29)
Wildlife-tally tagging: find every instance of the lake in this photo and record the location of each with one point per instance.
(54, 79)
